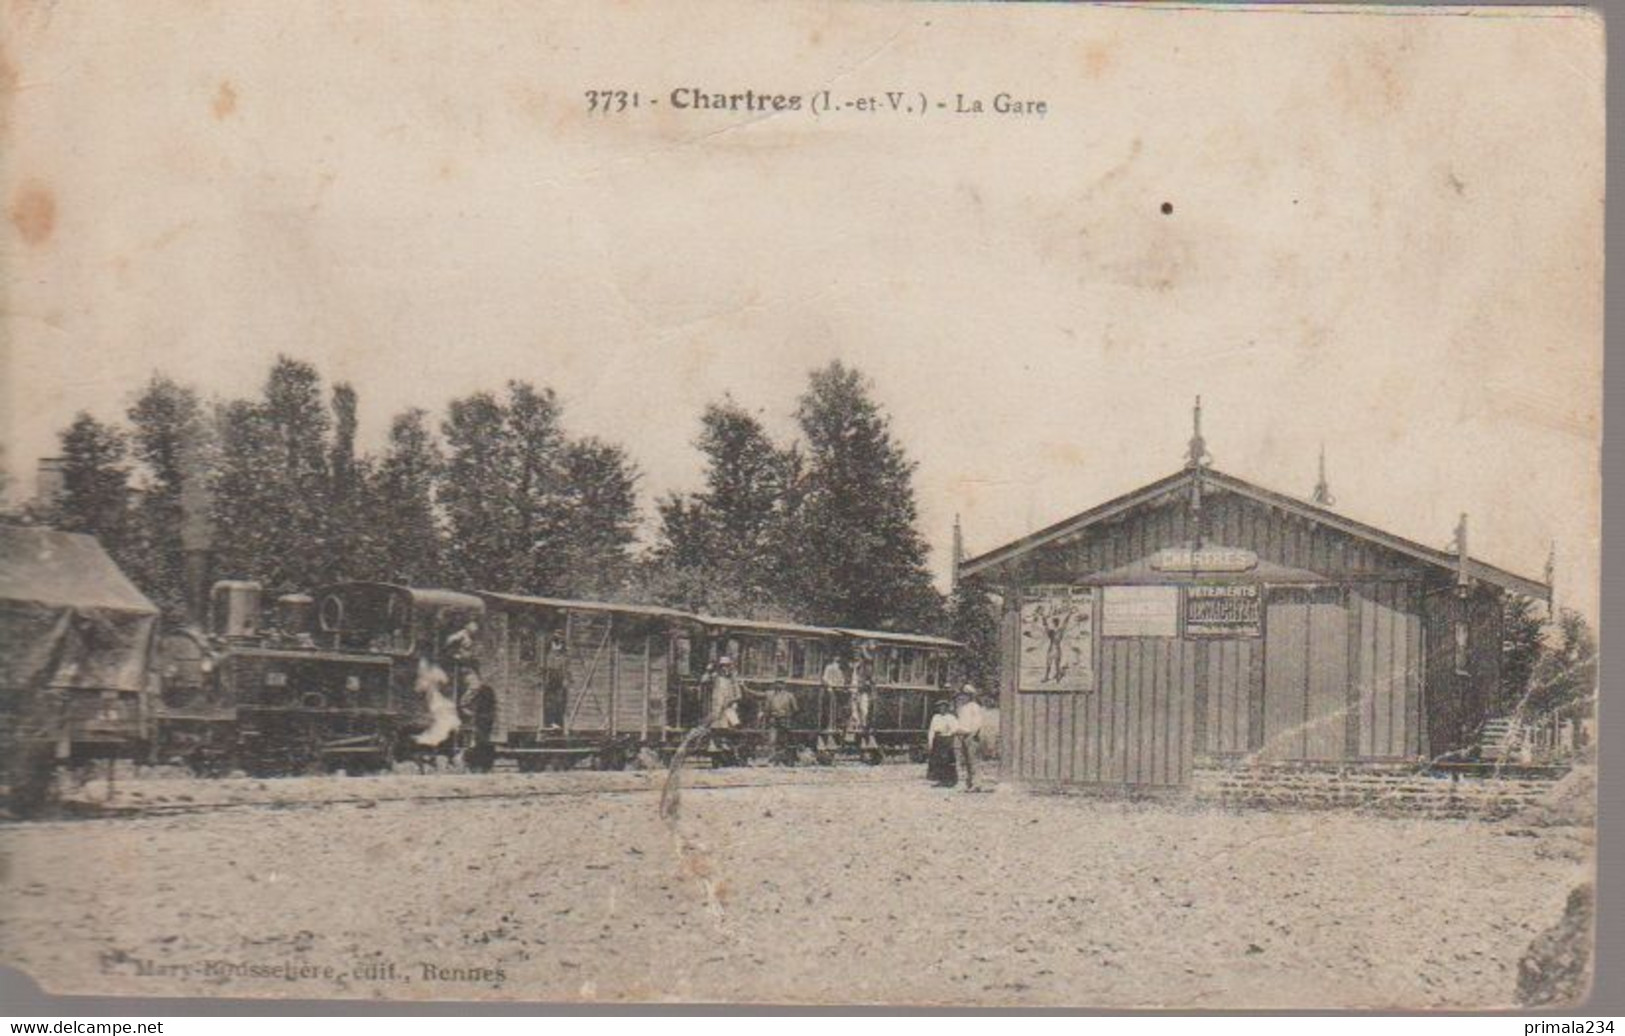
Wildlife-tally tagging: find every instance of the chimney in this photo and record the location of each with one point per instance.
(48, 483)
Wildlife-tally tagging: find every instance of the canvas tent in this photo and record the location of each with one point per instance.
(69, 619)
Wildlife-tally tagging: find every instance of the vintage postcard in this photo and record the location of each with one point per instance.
(810, 503)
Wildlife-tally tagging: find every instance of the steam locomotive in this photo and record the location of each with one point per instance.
(361, 675)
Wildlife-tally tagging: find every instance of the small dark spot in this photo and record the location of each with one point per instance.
(225, 100)
(1167, 208)
(33, 212)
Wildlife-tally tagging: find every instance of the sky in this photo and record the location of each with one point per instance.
(1380, 232)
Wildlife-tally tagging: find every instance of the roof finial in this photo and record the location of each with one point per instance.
(959, 552)
(1323, 492)
(1551, 579)
(1196, 455)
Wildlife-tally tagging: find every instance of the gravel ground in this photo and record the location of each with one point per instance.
(843, 886)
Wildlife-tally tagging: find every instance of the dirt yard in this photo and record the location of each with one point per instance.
(843, 886)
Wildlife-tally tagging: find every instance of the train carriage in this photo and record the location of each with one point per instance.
(579, 680)
(587, 681)
(74, 669)
(902, 674)
(912, 673)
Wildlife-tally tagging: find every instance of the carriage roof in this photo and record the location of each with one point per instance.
(425, 597)
(645, 610)
(916, 639)
(766, 626)
(480, 599)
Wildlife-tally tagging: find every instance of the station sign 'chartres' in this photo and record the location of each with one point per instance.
(1204, 559)
(1222, 611)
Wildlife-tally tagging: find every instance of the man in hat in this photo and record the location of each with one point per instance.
(779, 710)
(478, 708)
(967, 733)
(726, 690)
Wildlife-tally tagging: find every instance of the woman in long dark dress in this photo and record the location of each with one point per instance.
(940, 768)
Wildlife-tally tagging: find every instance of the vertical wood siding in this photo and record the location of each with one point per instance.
(1344, 670)
(1137, 728)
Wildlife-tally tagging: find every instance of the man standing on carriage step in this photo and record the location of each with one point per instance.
(478, 707)
(726, 691)
(458, 652)
(780, 709)
(555, 691)
(834, 682)
(967, 732)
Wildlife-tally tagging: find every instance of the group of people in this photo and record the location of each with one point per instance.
(847, 698)
(953, 741)
(459, 700)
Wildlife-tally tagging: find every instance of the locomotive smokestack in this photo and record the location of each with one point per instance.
(198, 574)
(197, 543)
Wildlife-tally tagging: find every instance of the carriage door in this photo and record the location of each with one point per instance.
(1306, 673)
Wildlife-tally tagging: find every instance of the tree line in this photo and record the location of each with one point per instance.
(496, 495)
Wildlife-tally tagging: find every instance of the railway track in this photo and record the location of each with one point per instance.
(179, 797)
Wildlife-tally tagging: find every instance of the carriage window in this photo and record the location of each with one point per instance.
(685, 656)
(528, 641)
(781, 657)
(798, 658)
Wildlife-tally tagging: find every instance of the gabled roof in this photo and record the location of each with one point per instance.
(1292, 505)
(64, 569)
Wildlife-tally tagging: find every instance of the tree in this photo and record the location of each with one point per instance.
(600, 490)
(1522, 635)
(402, 539)
(170, 434)
(1566, 672)
(854, 555)
(504, 491)
(95, 496)
(272, 510)
(973, 621)
(721, 547)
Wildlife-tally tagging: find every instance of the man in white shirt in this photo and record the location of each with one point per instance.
(726, 690)
(834, 694)
(967, 731)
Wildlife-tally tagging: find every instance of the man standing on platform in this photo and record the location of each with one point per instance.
(967, 733)
(478, 706)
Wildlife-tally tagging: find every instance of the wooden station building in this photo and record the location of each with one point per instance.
(1205, 620)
